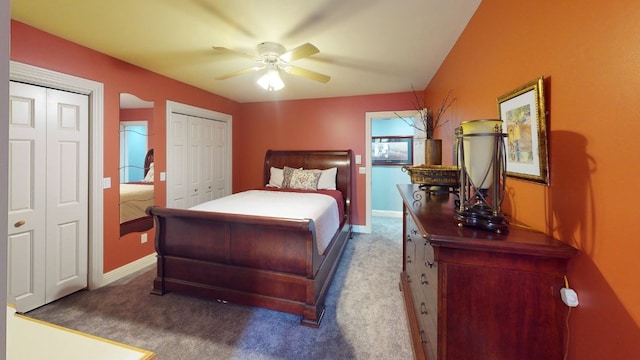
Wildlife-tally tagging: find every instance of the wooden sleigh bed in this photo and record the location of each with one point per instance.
(267, 262)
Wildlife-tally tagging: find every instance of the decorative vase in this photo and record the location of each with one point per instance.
(433, 151)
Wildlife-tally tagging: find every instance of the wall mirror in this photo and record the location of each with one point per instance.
(136, 163)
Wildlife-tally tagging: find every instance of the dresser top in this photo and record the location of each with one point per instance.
(434, 217)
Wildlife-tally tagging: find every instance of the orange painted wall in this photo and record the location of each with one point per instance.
(34, 47)
(589, 53)
(317, 124)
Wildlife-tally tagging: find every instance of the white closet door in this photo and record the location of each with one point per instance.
(67, 193)
(177, 158)
(27, 196)
(219, 176)
(197, 160)
(48, 195)
(196, 163)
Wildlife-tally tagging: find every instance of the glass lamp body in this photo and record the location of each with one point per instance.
(479, 150)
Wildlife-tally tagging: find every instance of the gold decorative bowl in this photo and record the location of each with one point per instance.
(435, 175)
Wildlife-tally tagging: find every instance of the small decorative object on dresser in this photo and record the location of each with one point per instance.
(477, 294)
(427, 121)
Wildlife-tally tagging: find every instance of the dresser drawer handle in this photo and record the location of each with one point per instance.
(408, 259)
(429, 263)
(423, 309)
(423, 279)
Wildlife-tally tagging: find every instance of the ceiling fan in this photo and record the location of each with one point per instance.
(273, 57)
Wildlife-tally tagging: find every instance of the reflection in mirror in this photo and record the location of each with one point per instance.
(136, 163)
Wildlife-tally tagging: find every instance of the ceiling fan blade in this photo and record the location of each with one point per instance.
(235, 53)
(241, 72)
(300, 52)
(294, 70)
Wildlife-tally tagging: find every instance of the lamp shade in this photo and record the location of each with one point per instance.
(479, 150)
(271, 81)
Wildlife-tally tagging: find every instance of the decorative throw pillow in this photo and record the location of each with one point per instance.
(286, 176)
(328, 179)
(276, 177)
(305, 179)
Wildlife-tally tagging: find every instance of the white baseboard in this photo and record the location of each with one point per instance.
(388, 213)
(360, 229)
(128, 269)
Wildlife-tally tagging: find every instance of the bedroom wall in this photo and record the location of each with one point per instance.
(590, 55)
(316, 124)
(35, 47)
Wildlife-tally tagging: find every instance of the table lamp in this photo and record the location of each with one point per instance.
(482, 160)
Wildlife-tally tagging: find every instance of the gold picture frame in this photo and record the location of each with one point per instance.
(524, 121)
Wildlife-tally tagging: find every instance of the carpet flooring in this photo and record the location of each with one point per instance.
(365, 316)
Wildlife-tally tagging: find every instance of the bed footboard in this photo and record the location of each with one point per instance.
(265, 262)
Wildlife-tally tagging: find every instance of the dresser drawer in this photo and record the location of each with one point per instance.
(428, 330)
(428, 277)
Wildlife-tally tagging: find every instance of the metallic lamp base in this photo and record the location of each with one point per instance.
(483, 219)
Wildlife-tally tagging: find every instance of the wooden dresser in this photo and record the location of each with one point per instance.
(474, 294)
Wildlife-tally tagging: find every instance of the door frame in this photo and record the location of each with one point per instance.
(369, 117)
(95, 91)
(189, 110)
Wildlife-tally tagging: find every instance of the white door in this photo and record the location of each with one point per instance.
(196, 160)
(48, 194)
(196, 164)
(219, 176)
(177, 158)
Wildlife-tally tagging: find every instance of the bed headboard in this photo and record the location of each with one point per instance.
(316, 159)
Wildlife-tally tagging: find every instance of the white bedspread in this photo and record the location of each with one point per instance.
(320, 208)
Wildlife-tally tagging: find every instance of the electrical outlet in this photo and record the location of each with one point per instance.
(569, 297)
(143, 238)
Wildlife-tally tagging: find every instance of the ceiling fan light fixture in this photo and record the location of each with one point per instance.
(271, 81)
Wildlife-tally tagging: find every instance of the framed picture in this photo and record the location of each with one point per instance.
(392, 150)
(524, 121)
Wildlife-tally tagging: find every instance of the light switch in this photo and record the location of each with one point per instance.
(362, 170)
(358, 159)
(163, 176)
(106, 183)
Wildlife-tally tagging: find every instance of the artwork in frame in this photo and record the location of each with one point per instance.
(392, 150)
(524, 121)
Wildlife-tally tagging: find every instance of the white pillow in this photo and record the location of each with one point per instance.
(328, 179)
(149, 176)
(275, 178)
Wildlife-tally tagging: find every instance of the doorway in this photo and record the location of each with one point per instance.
(369, 118)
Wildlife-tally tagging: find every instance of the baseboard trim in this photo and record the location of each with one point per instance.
(128, 269)
(388, 213)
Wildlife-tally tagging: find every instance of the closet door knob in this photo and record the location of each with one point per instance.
(19, 223)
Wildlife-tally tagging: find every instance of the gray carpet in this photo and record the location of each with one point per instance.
(365, 316)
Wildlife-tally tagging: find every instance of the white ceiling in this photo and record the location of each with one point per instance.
(366, 46)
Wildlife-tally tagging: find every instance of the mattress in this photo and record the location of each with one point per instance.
(320, 208)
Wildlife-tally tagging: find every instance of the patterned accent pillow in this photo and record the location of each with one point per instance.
(305, 179)
(286, 177)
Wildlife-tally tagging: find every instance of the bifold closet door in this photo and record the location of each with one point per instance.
(197, 155)
(48, 195)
